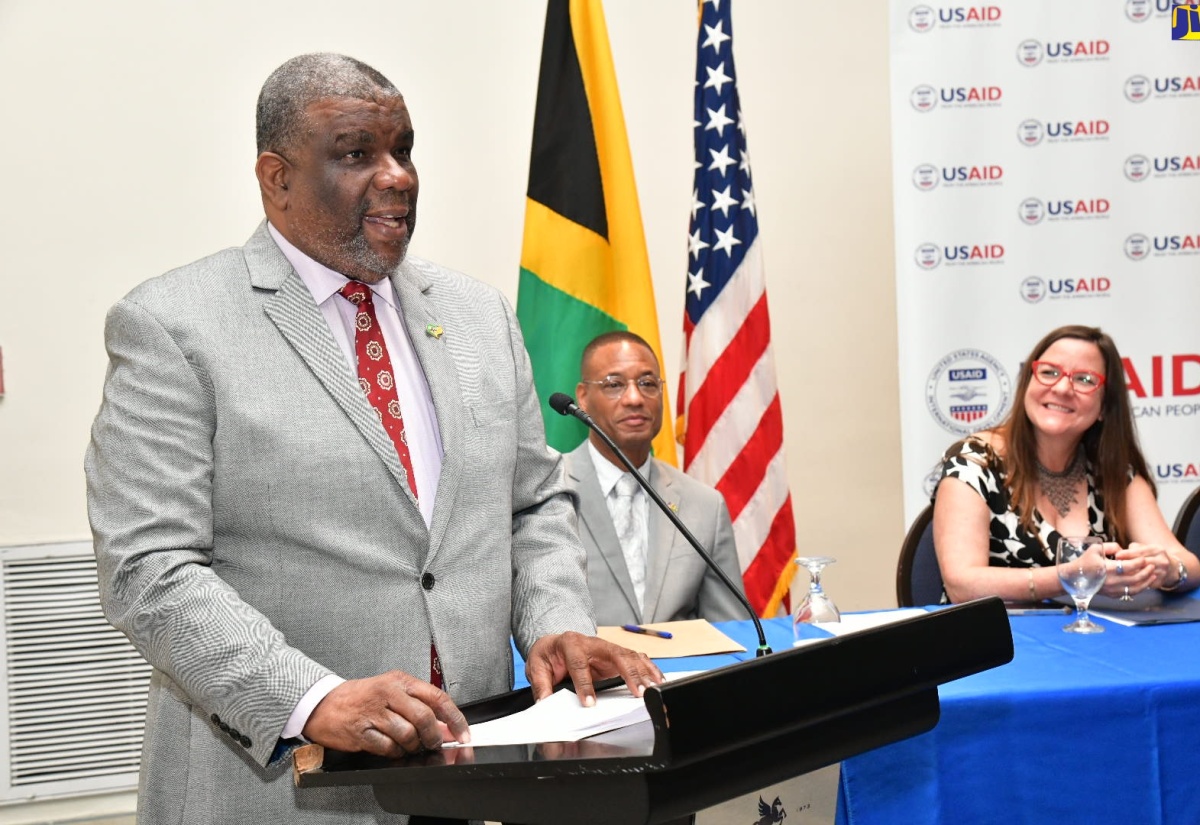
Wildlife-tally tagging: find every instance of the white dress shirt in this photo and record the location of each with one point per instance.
(416, 403)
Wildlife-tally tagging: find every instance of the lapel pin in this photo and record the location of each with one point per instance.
(674, 507)
(434, 330)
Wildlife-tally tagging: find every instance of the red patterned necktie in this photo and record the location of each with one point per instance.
(375, 374)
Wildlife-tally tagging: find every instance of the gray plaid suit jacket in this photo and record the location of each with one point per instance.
(254, 531)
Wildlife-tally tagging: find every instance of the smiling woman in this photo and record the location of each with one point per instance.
(1065, 462)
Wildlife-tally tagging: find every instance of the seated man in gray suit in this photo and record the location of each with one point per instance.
(640, 567)
(297, 519)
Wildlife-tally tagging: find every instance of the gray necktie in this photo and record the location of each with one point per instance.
(629, 519)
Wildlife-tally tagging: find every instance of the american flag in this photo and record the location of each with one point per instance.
(730, 421)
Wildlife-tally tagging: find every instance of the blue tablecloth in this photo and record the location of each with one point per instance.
(1075, 729)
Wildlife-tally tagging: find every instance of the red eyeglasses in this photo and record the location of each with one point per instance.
(1082, 381)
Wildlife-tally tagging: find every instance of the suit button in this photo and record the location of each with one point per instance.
(216, 720)
(427, 581)
(245, 740)
(235, 734)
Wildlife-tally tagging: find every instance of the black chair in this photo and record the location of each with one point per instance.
(918, 577)
(1187, 526)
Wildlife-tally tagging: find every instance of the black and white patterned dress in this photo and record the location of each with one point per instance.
(975, 463)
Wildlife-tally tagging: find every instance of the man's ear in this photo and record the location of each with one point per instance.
(580, 389)
(273, 172)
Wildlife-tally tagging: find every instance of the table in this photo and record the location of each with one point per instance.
(1123, 707)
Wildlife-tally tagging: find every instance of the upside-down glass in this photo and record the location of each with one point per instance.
(1081, 569)
(815, 606)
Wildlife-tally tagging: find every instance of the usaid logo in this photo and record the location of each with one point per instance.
(1174, 472)
(1097, 287)
(1176, 244)
(1031, 132)
(923, 98)
(1176, 165)
(1138, 11)
(1137, 168)
(1031, 211)
(967, 390)
(1137, 247)
(1033, 289)
(1177, 86)
(1077, 130)
(1137, 89)
(926, 177)
(1081, 209)
(970, 96)
(921, 19)
(1030, 53)
(928, 256)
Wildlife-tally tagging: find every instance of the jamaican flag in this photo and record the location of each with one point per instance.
(584, 268)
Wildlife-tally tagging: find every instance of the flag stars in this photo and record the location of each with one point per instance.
(695, 245)
(744, 166)
(697, 284)
(726, 242)
(717, 77)
(741, 122)
(722, 200)
(748, 200)
(697, 204)
(716, 36)
(720, 160)
(717, 119)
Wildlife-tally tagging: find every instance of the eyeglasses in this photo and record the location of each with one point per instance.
(1082, 381)
(614, 386)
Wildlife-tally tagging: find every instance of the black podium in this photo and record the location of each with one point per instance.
(711, 737)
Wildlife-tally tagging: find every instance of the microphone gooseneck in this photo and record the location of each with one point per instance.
(563, 404)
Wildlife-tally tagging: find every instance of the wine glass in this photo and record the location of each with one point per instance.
(1081, 569)
(815, 606)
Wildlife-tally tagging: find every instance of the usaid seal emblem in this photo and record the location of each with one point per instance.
(968, 390)
(1031, 132)
(1030, 53)
(1031, 211)
(1137, 247)
(923, 98)
(925, 177)
(928, 256)
(1137, 10)
(921, 19)
(1137, 167)
(1137, 88)
(1033, 289)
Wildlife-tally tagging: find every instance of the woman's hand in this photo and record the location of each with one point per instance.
(1137, 567)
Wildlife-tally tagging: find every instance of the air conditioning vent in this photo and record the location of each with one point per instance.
(73, 692)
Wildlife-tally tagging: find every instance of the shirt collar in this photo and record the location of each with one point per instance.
(607, 473)
(322, 281)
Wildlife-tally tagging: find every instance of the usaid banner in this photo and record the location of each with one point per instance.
(1046, 171)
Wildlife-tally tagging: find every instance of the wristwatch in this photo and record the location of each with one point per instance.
(1183, 576)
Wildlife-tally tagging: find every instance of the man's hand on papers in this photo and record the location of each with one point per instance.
(389, 715)
(585, 659)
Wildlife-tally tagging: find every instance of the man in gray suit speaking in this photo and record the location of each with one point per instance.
(640, 568)
(318, 482)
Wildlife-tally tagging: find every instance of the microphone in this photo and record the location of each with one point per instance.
(563, 404)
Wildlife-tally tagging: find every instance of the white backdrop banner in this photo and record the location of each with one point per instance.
(1046, 165)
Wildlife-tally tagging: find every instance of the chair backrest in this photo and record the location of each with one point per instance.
(918, 577)
(1187, 525)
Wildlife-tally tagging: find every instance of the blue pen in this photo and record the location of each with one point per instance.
(645, 631)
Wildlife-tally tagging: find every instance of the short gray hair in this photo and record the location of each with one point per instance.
(289, 91)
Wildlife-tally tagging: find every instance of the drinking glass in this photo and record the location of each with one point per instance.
(1081, 569)
(815, 606)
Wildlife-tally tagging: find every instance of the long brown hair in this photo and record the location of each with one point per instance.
(1111, 443)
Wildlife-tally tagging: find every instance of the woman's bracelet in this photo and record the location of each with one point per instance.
(1033, 590)
(1183, 575)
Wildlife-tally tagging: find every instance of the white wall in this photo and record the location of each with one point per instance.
(128, 149)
